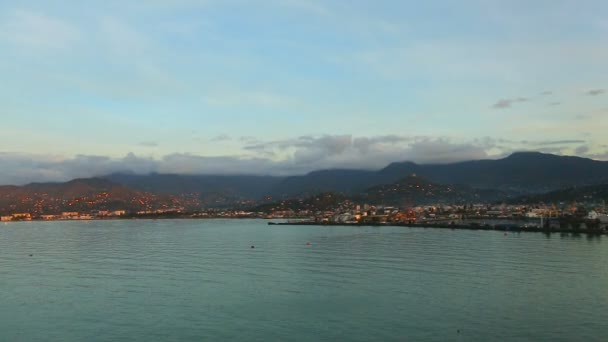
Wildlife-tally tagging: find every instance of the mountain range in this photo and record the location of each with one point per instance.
(590, 193)
(526, 174)
(415, 190)
(519, 173)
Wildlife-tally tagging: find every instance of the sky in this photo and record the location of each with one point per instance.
(289, 86)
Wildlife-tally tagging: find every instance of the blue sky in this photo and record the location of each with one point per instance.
(288, 86)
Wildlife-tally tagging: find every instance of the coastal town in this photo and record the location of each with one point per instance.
(562, 216)
(411, 201)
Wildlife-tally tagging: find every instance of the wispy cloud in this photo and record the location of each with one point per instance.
(582, 150)
(247, 98)
(508, 103)
(557, 142)
(346, 151)
(121, 39)
(148, 144)
(37, 30)
(297, 155)
(595, 92)
(221, 137)
(247, 139)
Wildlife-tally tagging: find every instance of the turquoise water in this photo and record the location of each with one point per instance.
(194, 280)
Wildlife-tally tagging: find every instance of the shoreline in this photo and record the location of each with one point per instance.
(500, 227)
(486, 227)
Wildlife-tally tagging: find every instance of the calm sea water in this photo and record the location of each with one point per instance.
(194, 280)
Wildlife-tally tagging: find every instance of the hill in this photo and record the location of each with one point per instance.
(319, 202)
(78, 195)
(521, 172)
(414, 190)
(212, 190)
(591, 193)
(408, 191)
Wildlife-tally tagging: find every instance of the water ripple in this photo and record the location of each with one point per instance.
(200, 279)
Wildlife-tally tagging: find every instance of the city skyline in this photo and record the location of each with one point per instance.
(287, 87)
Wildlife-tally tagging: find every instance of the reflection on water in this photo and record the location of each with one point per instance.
(200, 279)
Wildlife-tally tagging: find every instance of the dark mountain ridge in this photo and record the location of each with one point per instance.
(471, 181)
(522, 172)
(237, 186)
(414, 190)
(407, 192)
(591, 193)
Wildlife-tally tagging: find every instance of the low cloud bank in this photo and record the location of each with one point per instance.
(282, 157)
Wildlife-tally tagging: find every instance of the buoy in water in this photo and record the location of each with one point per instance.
(505, 233)
(252, 246)
(307, 243)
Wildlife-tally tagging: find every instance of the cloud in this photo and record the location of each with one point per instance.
(122, 39)
(364, 144)
(308, 153)
(247, 139)
(318, 150)
(559, 150)
(23, 168)
(37, 30)
(545, 93)
(558, 142)
(582, 150)
(554, 104)
(443, 151)
(148, 144)
(221, 137)
(508, 103)
(599, 156)
(282, 157)
(298, 155)
(595, 92)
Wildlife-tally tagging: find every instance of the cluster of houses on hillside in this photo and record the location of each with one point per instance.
(68, 215)
(541, 215)
(545, 216)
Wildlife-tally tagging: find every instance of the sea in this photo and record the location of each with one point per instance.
(245, 280)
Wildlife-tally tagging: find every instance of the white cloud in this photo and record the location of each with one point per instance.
(37, 30)
(122, 39)
(308, 153)
(221, 137)
(285, 157)
(443, 151)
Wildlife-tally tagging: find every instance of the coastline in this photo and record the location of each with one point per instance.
(507, 228)
(484, 227)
